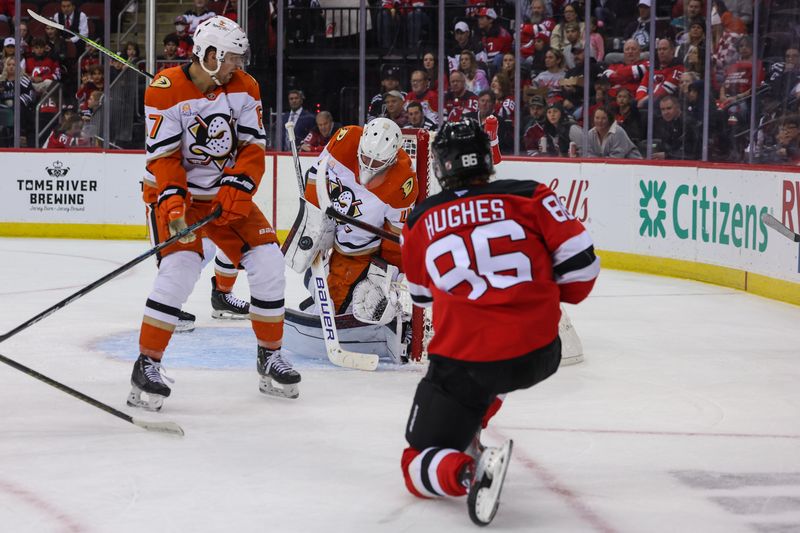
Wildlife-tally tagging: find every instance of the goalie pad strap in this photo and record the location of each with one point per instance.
(311, 233)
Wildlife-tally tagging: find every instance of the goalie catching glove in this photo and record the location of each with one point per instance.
(311, 233)
(172, 207)
(374, 298)
(235, 196)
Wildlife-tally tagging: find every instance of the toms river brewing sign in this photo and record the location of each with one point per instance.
(58, 189)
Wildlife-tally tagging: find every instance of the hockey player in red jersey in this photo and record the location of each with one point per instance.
(205, 148)
(483, 254)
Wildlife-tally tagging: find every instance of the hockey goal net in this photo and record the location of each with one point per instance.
(417, 144)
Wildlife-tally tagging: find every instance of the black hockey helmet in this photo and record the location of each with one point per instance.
(462, 153)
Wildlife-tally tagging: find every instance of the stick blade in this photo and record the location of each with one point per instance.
(354, 360)
(170, 428)
(46, 21)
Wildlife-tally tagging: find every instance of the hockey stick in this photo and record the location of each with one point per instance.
(93, 44)
(336, 354)
(160, 427)
(773, 223)
(124, 268)
(301, 183)
(347, 219)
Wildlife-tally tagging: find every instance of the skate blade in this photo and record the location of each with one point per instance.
(153, 402)
(184, 327)
(229, 315)
(573, 360)
(483, 499)
(266, 386)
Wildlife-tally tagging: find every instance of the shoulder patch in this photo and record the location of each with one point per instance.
(161, 82)
(408, 187)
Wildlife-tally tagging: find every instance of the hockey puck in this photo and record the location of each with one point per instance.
(305, 243)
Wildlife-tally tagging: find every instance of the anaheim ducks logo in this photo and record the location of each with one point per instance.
(343, 199)
(215, 140)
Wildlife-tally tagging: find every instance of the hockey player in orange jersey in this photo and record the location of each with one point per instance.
(205, 148)
(370, 178)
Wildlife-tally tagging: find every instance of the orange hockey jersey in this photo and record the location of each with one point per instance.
(193, 139)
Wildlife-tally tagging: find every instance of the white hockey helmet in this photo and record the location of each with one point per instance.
(226, 37)
(378, 147)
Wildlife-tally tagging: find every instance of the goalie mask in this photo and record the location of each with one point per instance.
(227, 38)
(462, 154)
(378, 147)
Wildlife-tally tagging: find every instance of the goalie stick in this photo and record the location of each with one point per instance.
(108, 277)
(773, 223)
(327, 311)
(106, 51)
(160, 427)
(301, 183)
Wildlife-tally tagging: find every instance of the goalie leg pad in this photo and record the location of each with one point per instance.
(375, 298)
(311, 233)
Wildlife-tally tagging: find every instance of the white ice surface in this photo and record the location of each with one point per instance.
(685, 417)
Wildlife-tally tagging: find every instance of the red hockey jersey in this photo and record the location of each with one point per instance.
(495, 261)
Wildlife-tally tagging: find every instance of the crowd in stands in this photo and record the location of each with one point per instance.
(51, 59)
(480, 75)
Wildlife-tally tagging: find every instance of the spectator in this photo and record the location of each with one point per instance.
(726, 32)
(693, 100)
(90, 59)
(784, 76)
(536, 62)
(558, 39)
(676, 136)
(464, 40)
(666, 75)
(394, 108)
(508, 68)
(417, 118)
(458, 99)
(561, 135)
(597, 47)
(609, 140)
(390, 23)
(639, 29)
(572, 34)
(93, 83)
(74, 20)
(424, 96)
(169, 57)
(629, 73)
(432, 72)
(695, 36)
(377, 106)
(486, 107)
(25, 37)
(132, 53)
(737, 86)
(68, 134)
(504, 110)
(9, 49)
(681, 25)
(550, 78)
(42, 69)
(55, 45)
(184, 38)
(319, 136)
(694, 61)
(476, 78)
(303, 120)
(540, 22)
(533, 129)
(93, 104)
(573, 82)
(741, 9)
(786, 148)
(628, 116)
(199, 13)
(495, 38)
(27, 96)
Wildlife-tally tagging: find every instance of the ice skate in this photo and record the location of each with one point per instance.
(475, 448)
(484, 491)
(274, 370)
(185, 322)
(227, 306)
(148, 378)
